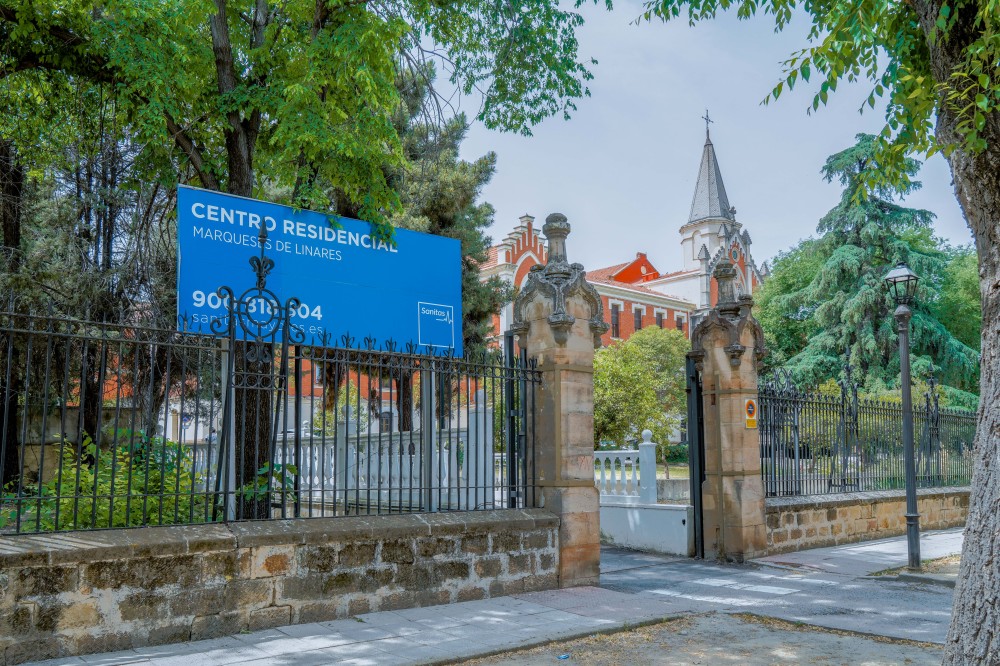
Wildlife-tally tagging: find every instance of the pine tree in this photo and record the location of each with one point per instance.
(845, 306)
(439, 193)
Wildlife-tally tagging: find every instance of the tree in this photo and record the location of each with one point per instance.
(787, 327)
(958, 307)
(296, 97)
(665, 351)
(439, 194)
(836, 302)
(625, 395)
(934, 62)
(639, 383)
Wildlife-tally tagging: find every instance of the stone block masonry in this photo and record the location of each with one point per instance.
(78, 593)
(797, 523)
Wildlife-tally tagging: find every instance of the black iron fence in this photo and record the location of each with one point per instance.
(814, 443)
(106, 425)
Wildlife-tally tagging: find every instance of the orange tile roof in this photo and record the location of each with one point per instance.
(606, 273)
(492, 257)
(603, 276)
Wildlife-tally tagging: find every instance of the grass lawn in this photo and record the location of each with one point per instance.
(676, 471)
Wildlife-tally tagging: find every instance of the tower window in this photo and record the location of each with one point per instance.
(616, 331)
(638, 319)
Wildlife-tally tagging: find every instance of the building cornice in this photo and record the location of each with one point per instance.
(635, 295)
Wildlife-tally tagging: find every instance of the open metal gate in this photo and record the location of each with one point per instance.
(696, 451)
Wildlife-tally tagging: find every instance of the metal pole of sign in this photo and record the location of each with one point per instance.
(510, 423)
(298, 433)
(227, 462)
(427, 444)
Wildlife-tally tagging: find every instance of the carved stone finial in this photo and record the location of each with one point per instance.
(559, 279)
(556, 229)
(733, 315)
(725, 275)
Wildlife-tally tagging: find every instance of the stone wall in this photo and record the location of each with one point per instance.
(797, 523)
(77, 593)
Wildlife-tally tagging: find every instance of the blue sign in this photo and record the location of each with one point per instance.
(346, 281)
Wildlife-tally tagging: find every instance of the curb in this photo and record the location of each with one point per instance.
(930, 579)
(568, 635)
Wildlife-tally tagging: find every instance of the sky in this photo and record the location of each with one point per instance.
(623, 168)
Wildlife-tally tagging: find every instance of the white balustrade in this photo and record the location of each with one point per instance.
(388, 469)
(627, 476)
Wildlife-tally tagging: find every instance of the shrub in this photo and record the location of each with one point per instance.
(672, 453)
(139, 481)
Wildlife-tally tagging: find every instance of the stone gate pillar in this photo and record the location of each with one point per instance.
(727, 346)
(559, 320)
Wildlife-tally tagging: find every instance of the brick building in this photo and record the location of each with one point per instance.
(635, 293)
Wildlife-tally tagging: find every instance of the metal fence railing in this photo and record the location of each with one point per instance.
(106, 425)
(813, 443)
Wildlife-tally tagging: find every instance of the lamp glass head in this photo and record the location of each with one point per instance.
(902, 284)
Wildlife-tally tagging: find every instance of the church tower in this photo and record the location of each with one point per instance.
(710, 211)
(710, 233)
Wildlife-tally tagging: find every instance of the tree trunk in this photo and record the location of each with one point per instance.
(974, 636)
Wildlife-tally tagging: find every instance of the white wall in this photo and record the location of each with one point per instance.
(659, 528)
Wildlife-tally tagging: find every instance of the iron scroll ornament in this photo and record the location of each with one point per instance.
(258, 312)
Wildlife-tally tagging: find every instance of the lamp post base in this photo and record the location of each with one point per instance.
(913, 541)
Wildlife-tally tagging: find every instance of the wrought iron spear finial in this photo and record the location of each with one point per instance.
(262, 265)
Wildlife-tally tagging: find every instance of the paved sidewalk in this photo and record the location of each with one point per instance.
(429, 635)
(824, 587)
(868, 557)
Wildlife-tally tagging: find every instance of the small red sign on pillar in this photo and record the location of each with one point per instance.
(751, 413)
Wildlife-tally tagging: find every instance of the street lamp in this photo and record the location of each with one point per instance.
(902, 284)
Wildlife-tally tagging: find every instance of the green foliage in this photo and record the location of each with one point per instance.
(959, 306)
(675, 454)
(325, 422)
(826, 297)
(890, 45)
(788, 326)
(140, 481)
(276, 486)
(296, 97)
(665, 351)
(439, 193)
(625, 400)
(639, 384)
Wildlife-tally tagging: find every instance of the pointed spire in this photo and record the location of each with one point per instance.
(710, 200)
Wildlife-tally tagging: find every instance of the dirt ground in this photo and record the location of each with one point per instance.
(718, 638)
(943, 566)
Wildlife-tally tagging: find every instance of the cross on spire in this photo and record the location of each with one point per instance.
(707, 121)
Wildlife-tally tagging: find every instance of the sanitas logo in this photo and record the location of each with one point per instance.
(433, 311)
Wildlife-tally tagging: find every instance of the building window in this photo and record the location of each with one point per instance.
(317, 374)
(680, 323)
(659, 320)
(616, 331)
(638, 319)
